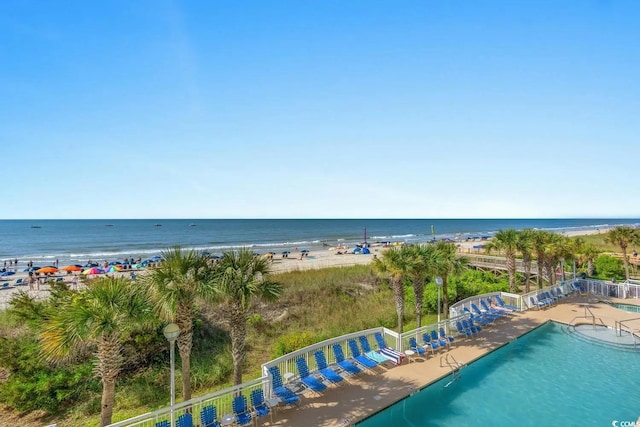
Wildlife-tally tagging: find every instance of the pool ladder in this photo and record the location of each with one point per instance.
(453, 364)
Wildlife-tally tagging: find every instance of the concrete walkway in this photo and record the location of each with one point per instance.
(368, 394)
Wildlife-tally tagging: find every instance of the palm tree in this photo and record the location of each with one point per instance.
(588, 254)
(420, 262)
(240, 278)
(105, 312)
(393, 265)
(507, 241)
(446, 263)
(524, 245)
(623, 236)
(539, 240)
(181, 278)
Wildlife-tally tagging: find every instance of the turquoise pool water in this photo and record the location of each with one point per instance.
(545, 378)
(628, 307)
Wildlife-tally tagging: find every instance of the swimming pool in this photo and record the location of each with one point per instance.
(628, 307)
(545, 378)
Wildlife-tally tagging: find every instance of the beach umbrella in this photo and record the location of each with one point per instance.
(47, 270)
(71, 268)
(7, 273)
(93, 270)
(115, 263)
(31, 269)
(285, 252)
(304, 250)
(114, 268)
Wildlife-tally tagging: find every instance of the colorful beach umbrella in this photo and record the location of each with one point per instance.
(47, 270)
(71, 268)
(93, 270)
(113, 269)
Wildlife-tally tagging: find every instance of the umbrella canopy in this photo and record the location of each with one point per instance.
(31, 269)
(47, 270)
(7, 273)
(71, 268)
(114, 268)
(304, 250)
(285, 252)
(93, 270)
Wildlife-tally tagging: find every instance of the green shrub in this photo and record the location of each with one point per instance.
(292, 342)
(607, 267)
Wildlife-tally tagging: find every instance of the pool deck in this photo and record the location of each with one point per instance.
(371, 392)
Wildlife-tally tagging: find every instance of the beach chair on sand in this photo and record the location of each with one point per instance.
(5, 285)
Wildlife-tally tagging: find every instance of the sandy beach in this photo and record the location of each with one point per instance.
(331, 257)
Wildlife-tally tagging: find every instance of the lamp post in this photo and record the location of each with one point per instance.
(438, 285)
(171, 332)
(562, 269)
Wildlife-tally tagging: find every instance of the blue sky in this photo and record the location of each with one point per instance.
(321, 109)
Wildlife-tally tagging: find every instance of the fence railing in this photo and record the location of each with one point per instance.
(220, 399)
(457, 309)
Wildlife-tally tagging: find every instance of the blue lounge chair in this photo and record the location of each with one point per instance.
(435, 338)
(376, 356)
(260, 406)
(342, 362)
(484, 314)
(393, 355)
(326, 372)
(473, 328)
(241, 412)
(462, 330)
(443, 334)
(359, 357)
(184, 420)
(485, 307)
(478, 319)
(429, 343)
(209, 416)
(164, 423)
(503, 305)
(556, 294)
(473, 325)
(285, 394)
(413, 345)
(307, 379)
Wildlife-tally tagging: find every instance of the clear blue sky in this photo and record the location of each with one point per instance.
(253, 109)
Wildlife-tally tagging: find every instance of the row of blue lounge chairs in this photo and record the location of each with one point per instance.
(431, 341)
(242, 414)
(550, 297)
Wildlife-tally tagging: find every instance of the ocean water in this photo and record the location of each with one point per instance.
(77, 241)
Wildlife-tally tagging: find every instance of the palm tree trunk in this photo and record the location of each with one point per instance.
(511, 268)
(398, 295)
(540, 268)
(526, 259)
(184, 320)
(590, 267)
(238, 332)
(108, 366)
(108, 400)
(626, 261)
(418, 290)
(445, 298)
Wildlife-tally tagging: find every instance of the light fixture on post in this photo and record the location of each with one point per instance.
(438, 285)
(171, 332)
(561, 269)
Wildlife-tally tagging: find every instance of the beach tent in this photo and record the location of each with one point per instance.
(357, 250)
(366, 250)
